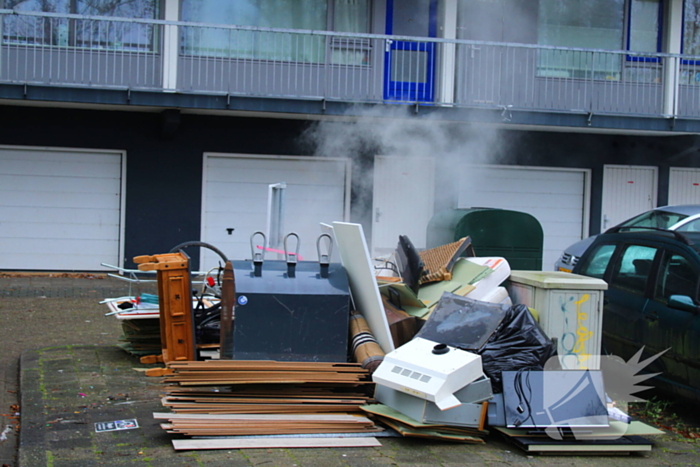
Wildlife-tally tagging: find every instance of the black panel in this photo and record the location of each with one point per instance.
(541, 399)
(301, 318)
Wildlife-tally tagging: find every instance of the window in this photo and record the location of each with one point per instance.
(283, 14)
(692, 226)
(691, 27)
(656, 219)
(676, 277)
(350, 16)
(600, 24)
(644, 26)
(347, 16)
(590, 24)
(691, 42)
(633, 268)
(61, 32)
(598, 262)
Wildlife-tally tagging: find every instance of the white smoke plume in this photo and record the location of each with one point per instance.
(398, 131)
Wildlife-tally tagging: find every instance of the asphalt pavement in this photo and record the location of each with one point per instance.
(64, 376)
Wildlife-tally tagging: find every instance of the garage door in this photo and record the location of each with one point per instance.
(400, 182)
(59, 209)
(684, 185)
(557, 198)
(628, 190)
(236, 189)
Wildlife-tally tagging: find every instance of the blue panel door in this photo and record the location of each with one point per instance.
(410, 65)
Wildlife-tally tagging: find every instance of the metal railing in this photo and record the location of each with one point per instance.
(73, 50)
(106, 52)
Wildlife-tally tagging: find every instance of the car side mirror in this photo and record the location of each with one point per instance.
(683, 303)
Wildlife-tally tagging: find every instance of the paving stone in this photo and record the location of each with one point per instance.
(68, 331)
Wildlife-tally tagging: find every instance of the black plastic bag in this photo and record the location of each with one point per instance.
(518, 343)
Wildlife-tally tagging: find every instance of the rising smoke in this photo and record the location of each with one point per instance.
(398, 131)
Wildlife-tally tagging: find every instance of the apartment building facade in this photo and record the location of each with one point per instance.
(130, 127)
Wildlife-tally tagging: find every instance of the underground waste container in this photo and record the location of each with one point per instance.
(514, 235)
(570, 310)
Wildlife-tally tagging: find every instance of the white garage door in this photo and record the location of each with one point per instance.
(236, 197)
(400, 182)
(684, 186)
(628, 190)
(557, 198)
(59, 209)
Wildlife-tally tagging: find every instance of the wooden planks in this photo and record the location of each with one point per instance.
(257, 443)
(252, 398)
(268, 379)
(232, 425)
(250, 372)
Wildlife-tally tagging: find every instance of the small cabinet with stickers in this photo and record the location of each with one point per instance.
(570, 310)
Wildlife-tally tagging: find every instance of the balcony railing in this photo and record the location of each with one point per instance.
(139, 54)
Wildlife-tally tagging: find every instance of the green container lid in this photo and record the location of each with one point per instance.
(513, 235)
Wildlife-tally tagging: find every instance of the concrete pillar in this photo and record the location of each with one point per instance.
(170, 46)
(447, 29)
(672, 40)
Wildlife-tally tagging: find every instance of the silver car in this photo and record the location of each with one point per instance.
(685, 218)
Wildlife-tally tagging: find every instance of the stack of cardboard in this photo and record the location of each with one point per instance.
(141, 336)
(410, 427)
(245, 424)
(256, 387)
(256, 398)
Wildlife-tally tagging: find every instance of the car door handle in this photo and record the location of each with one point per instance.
(651, 317)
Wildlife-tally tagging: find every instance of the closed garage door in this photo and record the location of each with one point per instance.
(59, 209)
(236, 197)
(684, 186)
(557, 198)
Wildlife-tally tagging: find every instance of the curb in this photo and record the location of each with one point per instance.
(31, 441)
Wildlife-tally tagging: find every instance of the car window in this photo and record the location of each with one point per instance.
(692, 226)
(633, 268)
(676, 277)
(598, 261)
(655, 219)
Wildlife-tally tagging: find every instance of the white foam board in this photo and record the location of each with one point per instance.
(269, 442)
(364, 290)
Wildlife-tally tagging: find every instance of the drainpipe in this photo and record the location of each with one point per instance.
(672, 44)
(447, 29)
(170, 46)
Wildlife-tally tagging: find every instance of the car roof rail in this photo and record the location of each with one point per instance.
(678, 235)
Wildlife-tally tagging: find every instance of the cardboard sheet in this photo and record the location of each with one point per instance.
(409, 301)
(464, 274)
(408, 426)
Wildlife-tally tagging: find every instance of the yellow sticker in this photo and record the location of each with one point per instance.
(412, 391)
